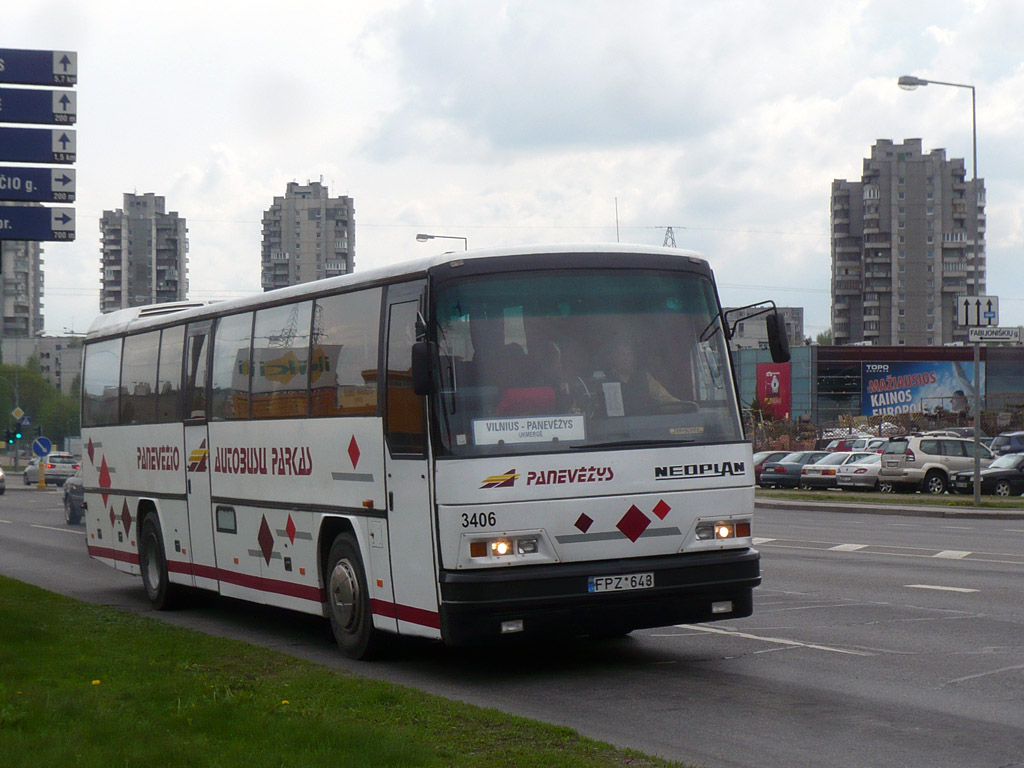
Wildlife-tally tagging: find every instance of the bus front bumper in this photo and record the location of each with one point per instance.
(688, 588)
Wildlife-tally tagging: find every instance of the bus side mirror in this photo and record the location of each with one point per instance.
(778, 341)
(423, 368)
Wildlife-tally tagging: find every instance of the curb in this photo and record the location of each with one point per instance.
(904, 510)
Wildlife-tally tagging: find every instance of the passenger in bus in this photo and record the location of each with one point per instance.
(641, 392)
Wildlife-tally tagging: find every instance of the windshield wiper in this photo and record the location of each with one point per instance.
(633, 443)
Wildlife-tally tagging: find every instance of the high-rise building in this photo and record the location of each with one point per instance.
(907, 239)
(144, 254)
(21, 281)
(307, 235)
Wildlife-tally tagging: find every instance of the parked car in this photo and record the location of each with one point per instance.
(822, 473)
(74, 499)
(862, 475)
(848, 443)
(762, 457)
(785, 473)
(1003, 477)
(1008, 442)
(58, 468)
(928, 461)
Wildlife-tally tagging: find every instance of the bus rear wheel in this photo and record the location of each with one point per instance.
(153, 563)
(348, 600)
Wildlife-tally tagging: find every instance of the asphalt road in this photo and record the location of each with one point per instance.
(876, 641)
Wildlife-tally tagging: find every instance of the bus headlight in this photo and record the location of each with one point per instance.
(723, 529)
(505, 546)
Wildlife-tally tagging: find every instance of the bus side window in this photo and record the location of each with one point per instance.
(406, 430)
(196, 360)
(169, 376)
(138, 378)
(100, 383)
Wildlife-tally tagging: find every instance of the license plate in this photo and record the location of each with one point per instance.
(622, 583)
(892, 462)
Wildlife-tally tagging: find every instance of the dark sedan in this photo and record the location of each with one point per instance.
(785, 473)
(1003, 477)
(763, 457)
(74, 499)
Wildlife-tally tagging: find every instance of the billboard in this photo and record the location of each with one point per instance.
(917, 387)
(774, 389)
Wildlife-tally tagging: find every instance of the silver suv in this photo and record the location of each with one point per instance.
(927, 462)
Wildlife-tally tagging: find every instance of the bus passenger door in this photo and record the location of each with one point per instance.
(197, 458)
(411, 532)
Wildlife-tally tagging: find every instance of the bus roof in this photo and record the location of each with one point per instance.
(156, 315)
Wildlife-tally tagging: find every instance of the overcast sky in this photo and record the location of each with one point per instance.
(528, 121)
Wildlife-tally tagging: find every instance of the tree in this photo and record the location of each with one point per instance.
(824, 338)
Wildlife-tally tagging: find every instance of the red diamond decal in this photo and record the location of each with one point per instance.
(104, 479)
(126, 518)
(113, 517)
(266, 540)
(584, 523)
(91, 451)
(353, 451)
(633, 523)
(290, 529)
(661, 509)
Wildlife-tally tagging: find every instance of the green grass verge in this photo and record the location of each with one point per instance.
(874, 497)
(87, 685)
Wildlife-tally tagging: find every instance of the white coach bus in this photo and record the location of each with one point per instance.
(502, 442)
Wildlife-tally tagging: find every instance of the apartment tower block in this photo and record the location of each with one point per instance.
(907, 239)
(307, 235)
(144, 254)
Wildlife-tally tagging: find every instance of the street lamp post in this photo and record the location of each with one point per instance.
(422, 238)
(909, 83)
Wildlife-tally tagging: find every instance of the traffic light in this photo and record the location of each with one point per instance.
(17, 433)
(39, 431)
(10, 438)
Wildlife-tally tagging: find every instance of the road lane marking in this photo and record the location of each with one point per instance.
(941, 589)
(951, 554)
(847, 547)
(59, 530)
(983, 674)
(774, 640)
(762, 541)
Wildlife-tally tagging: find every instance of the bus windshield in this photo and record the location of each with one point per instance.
(588, 359)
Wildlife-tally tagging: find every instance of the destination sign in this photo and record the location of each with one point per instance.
(36, 223)
(37, 145)
(34, 105)
(30, 67)
(37, 185)
(1007, 334)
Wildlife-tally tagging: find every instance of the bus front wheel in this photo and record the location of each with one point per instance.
(348, 600)
(153, 564)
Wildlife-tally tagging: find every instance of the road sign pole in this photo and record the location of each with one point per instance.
(977, 424)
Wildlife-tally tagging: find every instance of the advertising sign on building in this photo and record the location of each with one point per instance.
(774, 389)
(917, 387)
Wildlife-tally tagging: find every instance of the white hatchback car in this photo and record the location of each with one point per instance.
(58, 468)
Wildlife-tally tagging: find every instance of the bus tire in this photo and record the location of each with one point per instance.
(348, 600)
(153, 563)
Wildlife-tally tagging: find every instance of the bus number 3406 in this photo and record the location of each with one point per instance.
(479, 520)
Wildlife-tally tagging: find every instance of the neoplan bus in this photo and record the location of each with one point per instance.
(504, 442)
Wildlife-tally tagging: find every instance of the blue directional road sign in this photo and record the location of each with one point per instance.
(38, 185)
(27, 67)
(36, 223)
(41, 446)
(37, 145)
(34, 105)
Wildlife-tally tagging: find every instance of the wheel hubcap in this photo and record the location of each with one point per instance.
(344, 595)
